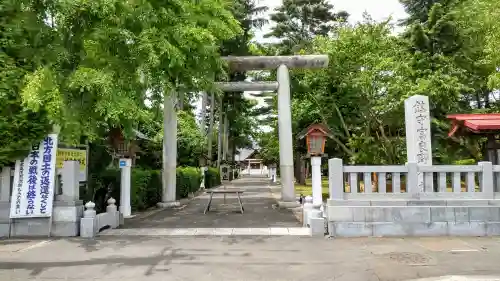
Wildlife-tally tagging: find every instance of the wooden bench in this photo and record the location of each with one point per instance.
(224, 192)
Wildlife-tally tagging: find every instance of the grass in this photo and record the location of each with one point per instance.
(306, 190)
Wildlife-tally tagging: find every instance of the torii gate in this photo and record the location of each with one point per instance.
(282, 85)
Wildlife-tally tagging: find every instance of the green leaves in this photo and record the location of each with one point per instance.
(24, 47)
(297, 22)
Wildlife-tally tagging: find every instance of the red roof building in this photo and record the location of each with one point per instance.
(487, 124)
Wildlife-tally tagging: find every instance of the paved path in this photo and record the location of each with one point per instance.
(139, 256)
(261, 217)
(249, 258)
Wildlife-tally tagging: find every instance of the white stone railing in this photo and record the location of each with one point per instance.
(401, 182)
(388, 200)
(91, 223)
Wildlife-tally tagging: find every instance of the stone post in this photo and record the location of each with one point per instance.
(169, 151)
(113, 212)
(5, 183)
(285, 136)
(418, 138)
(486, 179)
(125, 167)
(306, 210)
(70, 179)
(88, 224)
(412, 180)
(316, 181)
(316, 220)
(335, 179)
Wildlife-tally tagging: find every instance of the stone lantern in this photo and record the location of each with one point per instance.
(316, 135)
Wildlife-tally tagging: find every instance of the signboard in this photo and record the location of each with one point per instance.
(34, 178)
(73, 154)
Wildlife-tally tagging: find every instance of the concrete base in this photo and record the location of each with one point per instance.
(39, 227)
(288, 205)
(287, 185)
(168, 204)
(65, 221)
(413, 218)
(317, 226)
(390, 229)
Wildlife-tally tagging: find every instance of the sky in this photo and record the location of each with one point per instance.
(379, 10)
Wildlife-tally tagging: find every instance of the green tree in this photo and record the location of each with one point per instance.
(361, 95)
(114, 52)
(239, 110)
(480, 18)
(418, 10)
(25, 45)
(297, 22)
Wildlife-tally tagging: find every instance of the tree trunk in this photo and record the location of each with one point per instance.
(203, 125)
(219, 139)
(299, 169)
(211, 129)
(225, 142)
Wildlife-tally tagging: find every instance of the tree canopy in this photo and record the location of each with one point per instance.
(94, 66)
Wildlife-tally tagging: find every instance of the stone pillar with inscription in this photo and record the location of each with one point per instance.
(418, 138)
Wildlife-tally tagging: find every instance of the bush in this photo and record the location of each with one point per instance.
(212, 178)
(465, 162)
(188, 181)
(146, 186)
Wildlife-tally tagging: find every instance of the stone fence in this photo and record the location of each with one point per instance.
(91, 223)
(389, 201)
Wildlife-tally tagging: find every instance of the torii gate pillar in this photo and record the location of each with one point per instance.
(282, 63)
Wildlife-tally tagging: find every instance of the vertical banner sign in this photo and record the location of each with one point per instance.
(33, 186)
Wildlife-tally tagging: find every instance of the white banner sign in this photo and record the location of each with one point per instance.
(33, 186)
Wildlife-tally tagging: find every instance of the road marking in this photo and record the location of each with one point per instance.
(37, 245)
(463, 250)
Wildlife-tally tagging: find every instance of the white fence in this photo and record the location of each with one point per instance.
(91, 223)
(401, 182)
(413, 200)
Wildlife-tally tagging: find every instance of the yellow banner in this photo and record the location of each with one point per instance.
(68, 154)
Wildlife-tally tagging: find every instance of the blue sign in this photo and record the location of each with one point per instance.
(123, 163)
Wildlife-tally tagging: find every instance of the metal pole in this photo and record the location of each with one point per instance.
(285, 136)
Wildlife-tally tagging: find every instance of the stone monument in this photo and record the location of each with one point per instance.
(418, 138)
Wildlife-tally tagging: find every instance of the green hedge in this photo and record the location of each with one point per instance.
(146, 186)
(212, 178)
(188, 181)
